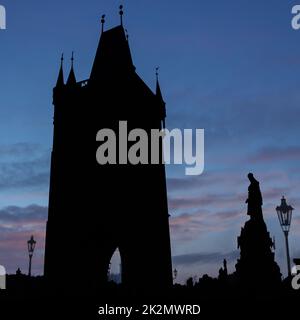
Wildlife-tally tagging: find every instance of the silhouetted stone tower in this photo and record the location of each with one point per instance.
(256, 267)
(95, 209)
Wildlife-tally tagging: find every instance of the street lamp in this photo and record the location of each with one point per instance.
(31, 245)
(284, 213)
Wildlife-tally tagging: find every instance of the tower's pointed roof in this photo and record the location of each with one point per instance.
(72, 79)
(113, 55)
(60, 80)
(113, 66)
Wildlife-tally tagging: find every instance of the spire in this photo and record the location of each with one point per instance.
(72, 78)
(121, 12)
(158, 91)
(102, 22)
(160, 100)
(60, 79)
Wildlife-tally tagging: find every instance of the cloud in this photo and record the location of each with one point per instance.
(204, 258)
(182, 183)
(230, 214)
(24, 165)
(21, 215)
(190, 226)
(276, 153)
(187, 183)
(19, 150)
(215, 201)
(188, 202)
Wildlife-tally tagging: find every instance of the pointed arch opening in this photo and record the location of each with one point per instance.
(115, 268)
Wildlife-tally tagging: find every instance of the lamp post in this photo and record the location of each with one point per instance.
(31, 246)
(284, 213)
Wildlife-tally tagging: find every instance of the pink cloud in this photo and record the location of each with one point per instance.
(279, 153)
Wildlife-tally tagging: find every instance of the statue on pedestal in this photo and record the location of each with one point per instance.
(254, 200)
(256, 268)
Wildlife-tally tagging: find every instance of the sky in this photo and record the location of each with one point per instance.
(230, 67)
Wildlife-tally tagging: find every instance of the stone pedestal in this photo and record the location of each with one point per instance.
(256, 267)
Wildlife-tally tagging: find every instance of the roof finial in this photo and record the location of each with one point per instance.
(72, 59)
(121, 12)
(156, 73)
(102, 22)
(60, 79)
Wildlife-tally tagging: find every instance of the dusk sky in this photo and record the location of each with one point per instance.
(230, 67)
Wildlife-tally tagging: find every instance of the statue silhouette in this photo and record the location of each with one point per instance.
(256, 268)
(254, 200)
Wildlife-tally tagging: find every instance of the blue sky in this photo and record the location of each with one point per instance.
(230, 67)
